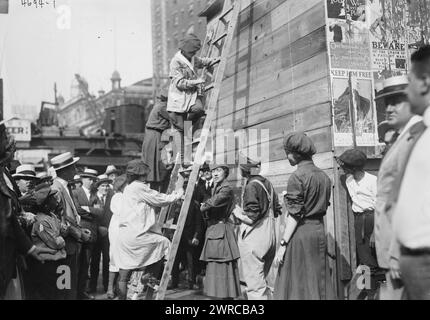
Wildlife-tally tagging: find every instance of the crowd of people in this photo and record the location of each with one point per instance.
(58, 227)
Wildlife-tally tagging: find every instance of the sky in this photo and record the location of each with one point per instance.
(43, 45)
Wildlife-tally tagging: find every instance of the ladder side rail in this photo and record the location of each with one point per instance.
(199, 153)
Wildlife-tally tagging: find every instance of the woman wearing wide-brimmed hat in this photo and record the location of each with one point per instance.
(139, 243)
(303, 272)
(220, 250)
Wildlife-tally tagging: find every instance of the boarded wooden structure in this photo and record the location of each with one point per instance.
(279, 79)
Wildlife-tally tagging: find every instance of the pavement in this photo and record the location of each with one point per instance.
(180, 293)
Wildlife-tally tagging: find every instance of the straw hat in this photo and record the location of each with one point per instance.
(25, 171)
(102, 179)
(63, 161)
(393, 86)
(111, 169)
(89, 173)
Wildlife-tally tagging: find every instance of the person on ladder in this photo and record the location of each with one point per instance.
(158, 122)
(185, 97)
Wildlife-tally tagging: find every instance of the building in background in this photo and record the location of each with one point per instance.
(86, 113)
(171, 21)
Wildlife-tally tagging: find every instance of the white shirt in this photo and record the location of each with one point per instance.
(411, 220)
(209, 183)
(102, 197)
(362, 193)
(87, 192)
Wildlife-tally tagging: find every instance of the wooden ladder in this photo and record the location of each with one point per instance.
(219, 41)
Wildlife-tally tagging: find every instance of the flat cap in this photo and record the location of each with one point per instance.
(299, 142)
(250, 165)
(190, 43)
(138, 167)
(353, 158)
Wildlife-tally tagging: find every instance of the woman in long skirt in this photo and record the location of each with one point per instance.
(303, 272)
(220, 250)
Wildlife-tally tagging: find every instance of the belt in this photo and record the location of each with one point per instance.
(312, 220)
(414, 252)
(365, 213)
(155, 129)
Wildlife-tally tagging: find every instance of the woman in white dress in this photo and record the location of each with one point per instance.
(139, 245)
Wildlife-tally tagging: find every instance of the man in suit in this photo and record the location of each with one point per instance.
(411, 218)
(65, 169)
(205, 183)
(401, 119)
(191, 244)
(13, 240)
(101, 200)
(88, 214)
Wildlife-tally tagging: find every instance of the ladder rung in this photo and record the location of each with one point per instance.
(169, 226)
(226, 12)
(209, 87)
(219, 38)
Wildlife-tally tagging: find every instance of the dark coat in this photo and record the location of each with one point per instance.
(103, 220)
(159, 117)
(88, 219)
(220, 242)
(158, 121)
(68, 216)
(221, 204)
(13, 240)
(255, 200)
(194, 225)
(203, 192)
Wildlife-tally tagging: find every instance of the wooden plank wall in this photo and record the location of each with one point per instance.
(277, 78)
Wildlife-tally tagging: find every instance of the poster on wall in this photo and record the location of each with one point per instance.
(389, 48)
(347, 34)
(353, 117)
(376, 37)
(388, 26)
(349, 51)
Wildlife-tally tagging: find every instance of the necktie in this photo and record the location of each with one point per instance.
(395, 137)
